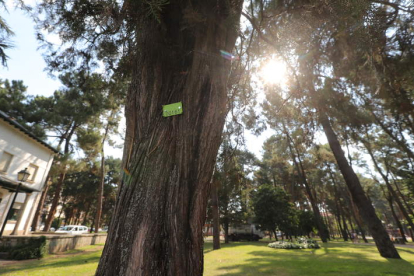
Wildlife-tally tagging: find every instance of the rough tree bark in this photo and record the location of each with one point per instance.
(157, 224)
(382, 240)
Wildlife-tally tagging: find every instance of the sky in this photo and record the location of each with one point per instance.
(25, 61)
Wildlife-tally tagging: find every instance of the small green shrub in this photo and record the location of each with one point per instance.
(4, 249)
(34, 249)
(56, 223)
(301, 244)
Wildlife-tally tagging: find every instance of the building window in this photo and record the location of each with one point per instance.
(32, 169)
(5, 160)
(14, 211)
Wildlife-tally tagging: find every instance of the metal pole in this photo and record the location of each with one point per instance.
(10, 209)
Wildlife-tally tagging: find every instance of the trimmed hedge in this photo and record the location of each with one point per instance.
(34, 249)
(302, 243)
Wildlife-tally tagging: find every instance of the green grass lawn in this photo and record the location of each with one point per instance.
(244, 258)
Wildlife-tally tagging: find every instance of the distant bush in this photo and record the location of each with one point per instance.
(302, 243)
(56, 223)
(34, 249)
(284, 245)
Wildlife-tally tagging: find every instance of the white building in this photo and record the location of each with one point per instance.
(20, 149)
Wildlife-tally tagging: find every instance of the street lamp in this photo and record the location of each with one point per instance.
(22, 176)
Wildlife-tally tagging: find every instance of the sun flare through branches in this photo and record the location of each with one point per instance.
(274, 72)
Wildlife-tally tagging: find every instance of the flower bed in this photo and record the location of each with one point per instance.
(302, 243)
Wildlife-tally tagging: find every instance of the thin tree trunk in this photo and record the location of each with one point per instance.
(401, 142)
(331, 225)
(355, 215)
(274, 233)
(46, 189)
(388, 184)
(100, 192)
(102, 176)
(382, 240)
(351, 224)
(343, 228)
(39, 208)
(59, 185)
(407, 206)
(156, 228)
(396, 219)
(86, 214)
(345, 225)
(298, 164)
(60, 215)
(55, 202)
(216, 218)
(339, 226)
(226, 230)
(76, 218)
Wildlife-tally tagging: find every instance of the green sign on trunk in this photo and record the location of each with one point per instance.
(172, 109)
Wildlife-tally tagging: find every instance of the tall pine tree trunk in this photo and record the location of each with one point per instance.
(156, 228)
(382, 240)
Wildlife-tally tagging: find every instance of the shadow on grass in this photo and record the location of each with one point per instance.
(52, 263)
(332, 259)
(209, 245)
(405, 250)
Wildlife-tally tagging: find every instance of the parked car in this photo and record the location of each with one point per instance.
(72, 230)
